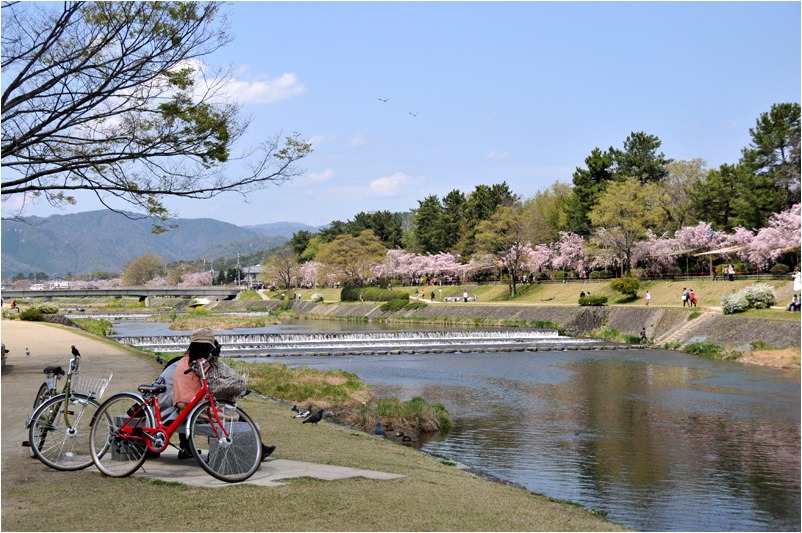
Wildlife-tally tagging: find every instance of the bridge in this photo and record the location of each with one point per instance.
(219, 293)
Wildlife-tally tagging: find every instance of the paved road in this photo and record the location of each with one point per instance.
(49, 344)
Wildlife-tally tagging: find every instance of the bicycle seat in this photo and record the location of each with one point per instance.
(54, 369)
(152, 389)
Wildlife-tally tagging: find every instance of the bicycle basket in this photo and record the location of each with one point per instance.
(225, 382)
(91, 383)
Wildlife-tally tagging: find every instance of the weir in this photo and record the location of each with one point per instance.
(361, 341)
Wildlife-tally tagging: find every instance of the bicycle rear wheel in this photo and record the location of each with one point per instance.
(233, 458)
(116, 441)
(59, 431)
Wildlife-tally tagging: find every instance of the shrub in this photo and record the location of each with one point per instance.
(592, 300)
(627, 286)
(33, 314)
(596, 274)
(713, 351)
(398, 305)
(760, 296)
(780, 268)
(351, 293)
(734, 302)
(317, 297)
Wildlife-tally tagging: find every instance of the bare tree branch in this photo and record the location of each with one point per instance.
(112, 97)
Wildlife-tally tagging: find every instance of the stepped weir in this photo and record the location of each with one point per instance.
(370, 342)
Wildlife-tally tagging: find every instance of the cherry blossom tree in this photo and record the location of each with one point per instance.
(655, 253)
(572, 253)
(782, 234)
(310, 273)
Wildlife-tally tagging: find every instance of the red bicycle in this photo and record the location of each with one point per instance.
(223, 438)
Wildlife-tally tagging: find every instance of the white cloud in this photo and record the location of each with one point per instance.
(237, 86)
(494, 154)
(314, 178)
(272, 91)
(392, 185)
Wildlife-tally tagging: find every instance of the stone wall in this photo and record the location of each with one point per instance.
(728, 331)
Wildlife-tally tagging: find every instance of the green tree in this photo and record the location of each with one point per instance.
(503, 235)
(545, 215)
(675, 200)
(773, 155)
(453, 220)
(300, 241)
(103, 96)
(589, 184)
(640, 159)
(429, 228)
(142, 269)
(480, 205)
(352, 259)
(713, 197)
(385, 225)
(624, 212)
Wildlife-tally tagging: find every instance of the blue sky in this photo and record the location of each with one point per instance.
(518, 92)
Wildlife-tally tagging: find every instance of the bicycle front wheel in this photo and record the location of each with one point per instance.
(41, 397)
(59, 431)
(233, 458)
(116, 441)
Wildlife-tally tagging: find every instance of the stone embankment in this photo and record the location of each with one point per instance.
(662, 324)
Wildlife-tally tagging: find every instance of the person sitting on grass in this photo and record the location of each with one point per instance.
(181, 387)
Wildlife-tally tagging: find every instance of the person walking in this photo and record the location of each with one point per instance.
(691, 299)
(648, 298)
(684, 296)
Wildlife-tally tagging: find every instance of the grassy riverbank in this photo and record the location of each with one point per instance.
(433, 495)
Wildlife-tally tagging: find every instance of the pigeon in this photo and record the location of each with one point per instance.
(75, 351)
(295, 409)
(159, 359)
(27, 351)
(379, 431)
(315, 418)
(305, 413)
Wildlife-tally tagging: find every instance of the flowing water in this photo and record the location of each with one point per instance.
(657, 439)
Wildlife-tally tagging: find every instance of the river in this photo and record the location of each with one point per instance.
(658, 440)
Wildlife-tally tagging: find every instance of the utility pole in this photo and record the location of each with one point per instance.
(238, 270)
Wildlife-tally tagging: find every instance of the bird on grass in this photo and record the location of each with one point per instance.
(75, 351)
(27, 351)
(379, 431)
(305, 413)
(295, 409)
(159, 359)
(315, 418)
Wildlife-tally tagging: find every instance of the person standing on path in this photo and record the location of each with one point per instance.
(685, 297)
(648, 298)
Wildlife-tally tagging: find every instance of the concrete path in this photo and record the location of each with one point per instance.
(50, 345)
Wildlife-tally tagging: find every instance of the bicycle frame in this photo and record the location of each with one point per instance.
(157, 437)
(52, 387)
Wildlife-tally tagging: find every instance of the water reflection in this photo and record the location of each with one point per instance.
(659, 440)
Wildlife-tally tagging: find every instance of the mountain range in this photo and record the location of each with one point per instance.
(105, 241)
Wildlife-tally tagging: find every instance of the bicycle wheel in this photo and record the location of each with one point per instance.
(116, 441)
(230, 459)
(56, 444)
(41, 397)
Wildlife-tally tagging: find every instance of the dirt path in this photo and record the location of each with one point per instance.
(50, 345)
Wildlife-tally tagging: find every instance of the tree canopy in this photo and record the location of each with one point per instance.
(113, 98)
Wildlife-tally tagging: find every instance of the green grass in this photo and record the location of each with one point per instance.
(431, 496)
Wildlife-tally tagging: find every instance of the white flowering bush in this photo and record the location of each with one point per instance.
(734, 302)
(760, 296)
(317, 297)
(757, 296)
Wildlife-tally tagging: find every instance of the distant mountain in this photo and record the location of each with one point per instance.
(106, 241)
(281, 229)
